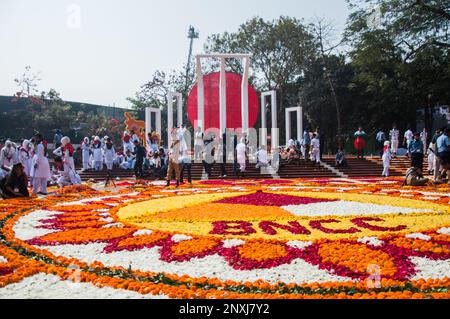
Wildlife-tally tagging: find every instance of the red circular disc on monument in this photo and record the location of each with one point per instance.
(212, 102)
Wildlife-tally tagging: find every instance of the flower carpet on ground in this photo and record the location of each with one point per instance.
(306, 238)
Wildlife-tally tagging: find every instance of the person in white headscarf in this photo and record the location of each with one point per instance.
(109, 154)
(66, 177)
(97, 154)
(126, 143)
(85, 150)
(40, 170)
(26, 156)
(8, 155)
(387, 157)
(241, 153)
(66, 152)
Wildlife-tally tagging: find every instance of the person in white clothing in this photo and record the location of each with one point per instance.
(65, 177)
(40, 170)
(291, 143)
(315, 150)
(66, 152)
(97, 154)
(431, 161)
(394, 136)
(181, 134)
(129, 162)
(409, 137)
(8, 155)
(387, 156)
(134, 138)
(424, 139)
(127, 145)
(109, 154)
(241, 151)
(198, 144)
(85, 150)
(262, 158)
(26, 156)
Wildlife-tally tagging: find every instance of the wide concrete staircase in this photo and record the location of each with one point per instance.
(304, 169)
(368, 167)
(401, 164)
(361, 167)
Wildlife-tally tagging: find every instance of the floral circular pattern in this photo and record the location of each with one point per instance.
(301, 239)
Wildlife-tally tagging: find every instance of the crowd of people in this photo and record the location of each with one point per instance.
(437, 152)
(27, 164)
(308, 148)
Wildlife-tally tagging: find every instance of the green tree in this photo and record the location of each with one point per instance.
(414, 24)
(400, 53)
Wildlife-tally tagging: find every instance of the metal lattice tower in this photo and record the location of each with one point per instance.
(192, 34)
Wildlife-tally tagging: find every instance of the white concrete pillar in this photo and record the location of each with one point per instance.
(244, 96)
(200, 96)
(288, 126)
(274, 118)
(169, 119)
(148, 120)
(170, 125)
(179, 109)
(158, 123)
(223, 97)
(263, 132)
(274, 131)
(299, 124)
(299, 111)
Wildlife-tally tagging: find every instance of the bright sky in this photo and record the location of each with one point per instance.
(102, 51)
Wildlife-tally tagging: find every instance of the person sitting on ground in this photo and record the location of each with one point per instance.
(15, 184)
(8, 155)
(414, 177)
(129, 161)
(120, 158)
(284, 154)
(293, 155)
(341, 161)
(64, 176)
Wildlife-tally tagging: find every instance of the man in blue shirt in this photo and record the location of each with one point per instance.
(415, 150)
(306, 143)
(443, 146)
